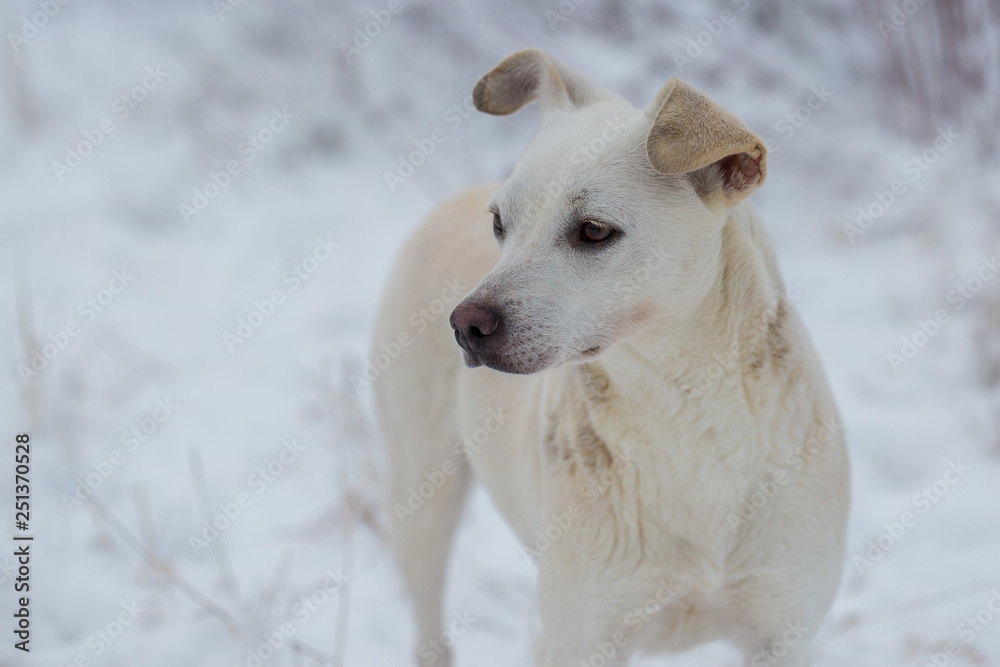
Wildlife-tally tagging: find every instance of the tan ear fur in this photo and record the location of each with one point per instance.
(529, 75)
(691, 132)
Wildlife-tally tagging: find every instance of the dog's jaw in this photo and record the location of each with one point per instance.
(510, 364)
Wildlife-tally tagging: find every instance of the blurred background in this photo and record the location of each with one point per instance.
(200, 201)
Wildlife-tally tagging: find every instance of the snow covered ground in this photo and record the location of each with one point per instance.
(195, 223)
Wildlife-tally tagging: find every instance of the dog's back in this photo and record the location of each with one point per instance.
(417, 361)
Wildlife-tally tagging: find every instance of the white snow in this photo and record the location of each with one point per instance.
(321, 181)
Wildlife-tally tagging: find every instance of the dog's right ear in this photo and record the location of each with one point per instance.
(529, 75)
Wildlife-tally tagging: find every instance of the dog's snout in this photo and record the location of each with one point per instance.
(472, 324)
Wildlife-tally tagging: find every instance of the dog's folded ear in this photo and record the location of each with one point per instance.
(693, 135)
(529, 75)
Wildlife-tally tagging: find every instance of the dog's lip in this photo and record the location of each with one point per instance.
(589, 352)
(471, 360)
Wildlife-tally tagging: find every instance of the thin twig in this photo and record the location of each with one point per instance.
(344, 597)
(145, 515)
(222, 560)
(271, 592)
(310, 652)
(164, 568)
(27, 332)
(347, 521)
(907, 608)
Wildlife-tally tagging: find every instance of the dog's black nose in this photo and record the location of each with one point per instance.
(472, 324)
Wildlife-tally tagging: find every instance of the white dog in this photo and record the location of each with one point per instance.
(638, 396)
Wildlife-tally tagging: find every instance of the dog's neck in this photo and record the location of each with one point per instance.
(710, 372)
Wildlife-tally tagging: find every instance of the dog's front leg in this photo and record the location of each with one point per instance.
(783, 650)
(567, 647)
(586, 622)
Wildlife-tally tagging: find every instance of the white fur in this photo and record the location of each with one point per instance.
(703, 387)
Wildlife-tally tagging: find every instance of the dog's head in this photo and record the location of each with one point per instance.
(611, 222)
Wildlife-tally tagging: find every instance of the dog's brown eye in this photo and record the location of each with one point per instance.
(497, 225)
(595, 232)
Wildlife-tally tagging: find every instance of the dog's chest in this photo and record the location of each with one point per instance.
(664, 482)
